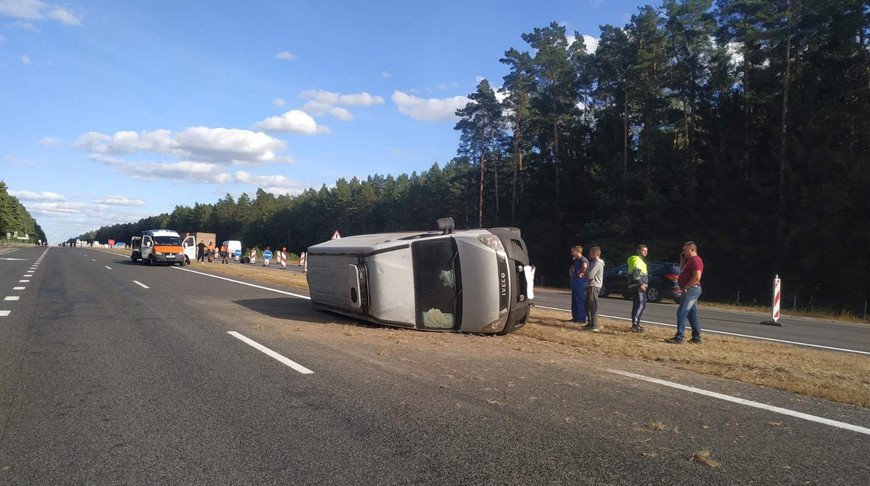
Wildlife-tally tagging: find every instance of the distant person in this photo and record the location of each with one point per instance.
(225, 254)
(691, 268)
(577, 271)
(638, 280)
(594, 278)
(200, 252)
(210, 251)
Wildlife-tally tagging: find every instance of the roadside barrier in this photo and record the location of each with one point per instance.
(775, 303)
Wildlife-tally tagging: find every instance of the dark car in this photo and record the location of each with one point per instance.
(662, 282)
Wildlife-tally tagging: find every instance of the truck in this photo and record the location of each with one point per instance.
(476, 280)
(166, 246)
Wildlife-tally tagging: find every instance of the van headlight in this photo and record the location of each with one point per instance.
(491, 241)
(158, 253)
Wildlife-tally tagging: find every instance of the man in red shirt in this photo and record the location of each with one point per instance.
(691, 268)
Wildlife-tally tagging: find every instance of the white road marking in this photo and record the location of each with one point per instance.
(4, 313)
(296, 366)
(749, 336)
(93, 259)
(11, 297)
(749, 403)
(246, 283)
(24, 281)
(13, 259)
(141, 284)
(108, 267)
(18, 288)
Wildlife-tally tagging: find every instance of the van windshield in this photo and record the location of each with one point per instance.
(437, 284)
(167, 240)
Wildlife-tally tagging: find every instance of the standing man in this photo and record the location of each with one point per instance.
(594, 277)
(691, 268)
(225, 254)
(200, 252)
(577, 271)
(638, 279)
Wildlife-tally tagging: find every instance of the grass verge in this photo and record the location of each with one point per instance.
(829, 375)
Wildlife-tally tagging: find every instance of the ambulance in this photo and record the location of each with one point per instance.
(166, 247)
(476, 280)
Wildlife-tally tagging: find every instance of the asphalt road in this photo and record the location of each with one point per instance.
(114, 373)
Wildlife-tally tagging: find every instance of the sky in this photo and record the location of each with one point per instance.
(115, 111)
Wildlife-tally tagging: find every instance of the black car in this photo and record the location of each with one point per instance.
(662, 282)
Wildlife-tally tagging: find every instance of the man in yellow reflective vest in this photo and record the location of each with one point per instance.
(638, 279)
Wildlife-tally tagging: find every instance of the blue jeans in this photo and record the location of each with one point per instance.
(638, 304)
(689, 309)
(578, 300)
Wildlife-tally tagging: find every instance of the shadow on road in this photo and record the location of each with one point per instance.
(298, 310)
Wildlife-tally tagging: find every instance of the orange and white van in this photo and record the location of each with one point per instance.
(166, 246)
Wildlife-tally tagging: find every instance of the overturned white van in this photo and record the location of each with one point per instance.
(469, 280)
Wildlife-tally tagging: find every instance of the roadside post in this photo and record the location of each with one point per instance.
(282, 258)
(237, 253)
(774, 307)
(303, 262)
(267, 255)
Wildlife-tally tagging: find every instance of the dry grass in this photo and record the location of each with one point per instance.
(830, 375)
(703, 457)
(842, 315)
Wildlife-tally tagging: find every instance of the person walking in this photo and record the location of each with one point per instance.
(200, 252)
(638, 280)
(577, 271)
(691, 269)
(594, 278)
(225, 254)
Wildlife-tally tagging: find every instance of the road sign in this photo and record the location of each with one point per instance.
(267, 255)
(237, 252)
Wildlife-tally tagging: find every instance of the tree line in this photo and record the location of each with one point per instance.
(743, 125)
(15, 220)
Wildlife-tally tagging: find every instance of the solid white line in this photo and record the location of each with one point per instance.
(749, 403)
(296, 366)
(141, 284)
(11, 297)
(246, 283)
(4, 313)
(18, 288)
(749, 336)
(108, 267)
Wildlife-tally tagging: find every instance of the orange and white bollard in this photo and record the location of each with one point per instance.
(282, 258)
(775, 303)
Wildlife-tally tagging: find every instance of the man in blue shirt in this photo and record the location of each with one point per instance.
(577, 271)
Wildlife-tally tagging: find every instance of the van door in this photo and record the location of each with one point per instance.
(189, 246)
(147, 248)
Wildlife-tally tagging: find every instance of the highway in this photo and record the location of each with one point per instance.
(115, 373)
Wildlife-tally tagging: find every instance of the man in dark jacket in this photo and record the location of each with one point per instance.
(638, 279)
(200, 252)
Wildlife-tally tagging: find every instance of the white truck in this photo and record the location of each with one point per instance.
(472, 280)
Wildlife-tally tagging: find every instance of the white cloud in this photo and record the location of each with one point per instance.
(341, 113)
(276, 184)
(119, 201)
(38, 196)
(478, 79)
(15, 160)
(432, 109)
(279, 102)
(182, 171)
(25, 59)
(28, 26)
(198, 144)
(331, 98)
(50, 141)
(285, 56)
(36, 10)
(590, 42)
(293, 121)
(386, 74)
(56, 208)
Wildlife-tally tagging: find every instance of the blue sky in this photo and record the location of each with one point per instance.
(113, 111)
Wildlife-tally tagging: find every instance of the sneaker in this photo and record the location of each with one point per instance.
(590, 328)
(637, 329)
(674, 340)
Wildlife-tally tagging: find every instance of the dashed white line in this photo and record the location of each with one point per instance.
(24, 281)
(4, 313)
(93, 259)
(141, 284)
(296, 366)
(291, 294)
(749, 403)
(108, 267)
(18, 288)
(11, 297)
(749, 336)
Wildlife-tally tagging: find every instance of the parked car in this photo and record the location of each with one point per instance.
(662, 282)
